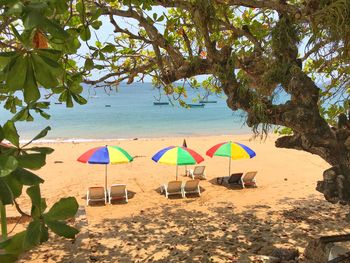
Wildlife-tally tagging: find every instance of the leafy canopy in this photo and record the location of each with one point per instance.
(250, 50)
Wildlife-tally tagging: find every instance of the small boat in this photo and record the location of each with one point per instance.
(107, 106)
(208, 101)
(160, 103)
(196, 105)
(58, 103)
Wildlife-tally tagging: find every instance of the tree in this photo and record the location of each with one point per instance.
(251, 50)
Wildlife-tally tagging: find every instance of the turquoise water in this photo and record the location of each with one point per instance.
(132, 115)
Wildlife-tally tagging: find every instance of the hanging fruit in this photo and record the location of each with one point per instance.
(39, 40)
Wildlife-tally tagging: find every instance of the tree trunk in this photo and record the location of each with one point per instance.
(311, 132)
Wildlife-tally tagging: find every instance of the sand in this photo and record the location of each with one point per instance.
(224, 224)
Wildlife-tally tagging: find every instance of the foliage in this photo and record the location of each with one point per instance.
(247, 50)
(16, 163)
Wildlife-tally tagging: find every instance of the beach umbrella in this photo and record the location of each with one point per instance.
(233, 150)
(176, 155)
(105, 155)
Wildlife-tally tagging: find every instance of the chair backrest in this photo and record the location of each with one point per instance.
(118, 189)
(199, 170)
(191, 185)
(249, 176)
(235, 178)
(96, 192)
(174, 186)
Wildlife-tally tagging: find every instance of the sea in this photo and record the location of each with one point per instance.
(129, 113)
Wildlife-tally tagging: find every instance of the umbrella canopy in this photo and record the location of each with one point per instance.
(233, 150)
(105, 155)
(175, 155)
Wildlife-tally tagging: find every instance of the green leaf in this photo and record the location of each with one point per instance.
(69, 101)
(89, 64)
(32, 19)
(14, 184)
(26, 177)
(109, 48)
(44, 233)
(7, 165)
(32, 161)
(8, 258)
(64, 209)
(85, 33)
(32, 237)
(42, 150)
(35, 196)
(96, 24)
(76, 89)
(43, 204)
(42, 134)
(6, 196)
(44, 73)
(16, 74)
(14, 244)
(53, 65)
(61, 229)
(79, 99)
(11, 134)
(16, 9)
(31, 90)
(55, 29)
(6, 57)
(50, 53)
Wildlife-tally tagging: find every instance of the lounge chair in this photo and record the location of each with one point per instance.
(249, 179)
(117, 191)
(197, 172)
(234, 179)
(96, 194)
(191, 187)
(172, 188)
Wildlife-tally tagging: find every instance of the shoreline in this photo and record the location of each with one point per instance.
(94, 140)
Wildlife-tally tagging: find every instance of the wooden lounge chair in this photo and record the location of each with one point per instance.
(234, 179)
(192, 187)
(197, 172)
(173, 188)
(116, 192)
(96, 194)
(249, 179)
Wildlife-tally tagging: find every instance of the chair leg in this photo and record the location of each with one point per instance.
(199, 191)
(126, 196)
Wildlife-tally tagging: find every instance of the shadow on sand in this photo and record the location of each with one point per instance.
(174, 234)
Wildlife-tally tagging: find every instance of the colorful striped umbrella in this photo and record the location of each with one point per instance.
(234, 150)
(106, 155)
(176, 155)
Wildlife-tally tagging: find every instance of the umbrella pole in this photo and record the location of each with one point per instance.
(229, 166)
(106, 178)
(177, 169)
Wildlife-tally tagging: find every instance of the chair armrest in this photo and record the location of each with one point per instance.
(220, 180)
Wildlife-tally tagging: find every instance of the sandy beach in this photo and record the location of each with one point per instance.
(224, 224)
